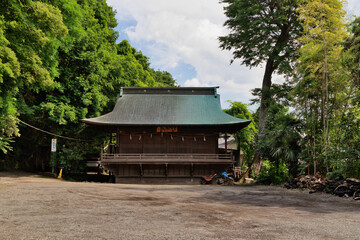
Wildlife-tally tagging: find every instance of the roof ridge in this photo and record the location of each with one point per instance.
(169, 90)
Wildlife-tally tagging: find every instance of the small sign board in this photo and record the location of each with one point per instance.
(53, 145)
(166, 129)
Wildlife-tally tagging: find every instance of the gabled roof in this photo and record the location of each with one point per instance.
(168, 107)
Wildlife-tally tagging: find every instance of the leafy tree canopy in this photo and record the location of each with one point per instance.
(60, 63)
(245, 137)
(262, 30)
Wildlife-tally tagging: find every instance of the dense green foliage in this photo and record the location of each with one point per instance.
(60, 63)
(313, 120)
(30, 33)
(320, 82)
(271, 173)
(245, 137)
(279, 144)
(325, 89)
(262, 32)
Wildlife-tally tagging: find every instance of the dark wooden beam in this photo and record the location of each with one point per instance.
(226, 145)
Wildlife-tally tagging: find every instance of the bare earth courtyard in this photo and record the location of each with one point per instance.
(34, 207)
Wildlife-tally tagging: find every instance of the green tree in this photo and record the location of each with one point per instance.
(346, 150)
(9, 71)
(61, 63)
(281, 142)
(30, 34)
(262, 32)
(353, 48)
(321, 79)
(245, 137)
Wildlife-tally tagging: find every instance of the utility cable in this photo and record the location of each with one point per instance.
(53, 134)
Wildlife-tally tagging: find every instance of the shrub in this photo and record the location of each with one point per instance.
(271, 174)
(335, 175)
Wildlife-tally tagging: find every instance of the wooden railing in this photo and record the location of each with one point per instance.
(153, 158)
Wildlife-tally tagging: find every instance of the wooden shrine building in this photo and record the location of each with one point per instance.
(166, 133)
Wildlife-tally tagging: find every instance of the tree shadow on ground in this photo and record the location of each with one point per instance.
(253, 195)
(267, 196)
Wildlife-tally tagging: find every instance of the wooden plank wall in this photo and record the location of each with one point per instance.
(167, 143)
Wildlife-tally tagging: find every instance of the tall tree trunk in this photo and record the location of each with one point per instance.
(264, 105)
(266, 85)
(266, 95)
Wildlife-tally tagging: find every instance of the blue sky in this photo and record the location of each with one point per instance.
(181, 37)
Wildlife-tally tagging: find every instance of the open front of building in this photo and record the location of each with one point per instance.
(166, 133)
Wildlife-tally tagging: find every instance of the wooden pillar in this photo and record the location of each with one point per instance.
(117, 141)
(110, 147)
(238, 154)
(166, 170)
(141, 170)
(226, 145)
(142, 142)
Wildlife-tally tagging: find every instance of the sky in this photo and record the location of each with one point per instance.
(181, 37)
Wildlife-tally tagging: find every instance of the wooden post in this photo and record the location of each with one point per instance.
(226, 145)
(117, 141)
(141, 170)
(192, 170)
(238, 155)
(142, 142)
(110, 147)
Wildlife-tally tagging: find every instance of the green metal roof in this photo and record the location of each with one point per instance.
(168, 107)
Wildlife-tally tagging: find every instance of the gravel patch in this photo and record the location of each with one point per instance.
(34, 207)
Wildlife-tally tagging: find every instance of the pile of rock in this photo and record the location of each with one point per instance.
(349, 187)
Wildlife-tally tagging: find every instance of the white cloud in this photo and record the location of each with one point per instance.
(353, 7)
(187, 31)
(194, 82)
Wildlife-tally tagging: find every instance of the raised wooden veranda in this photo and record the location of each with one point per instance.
(169, 165)
(154, 158)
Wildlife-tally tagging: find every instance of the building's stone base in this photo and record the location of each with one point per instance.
(159, 180)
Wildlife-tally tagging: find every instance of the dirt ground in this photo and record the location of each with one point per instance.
(34, 207)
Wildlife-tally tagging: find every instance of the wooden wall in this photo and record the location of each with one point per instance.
(167, 143)
(182, 143)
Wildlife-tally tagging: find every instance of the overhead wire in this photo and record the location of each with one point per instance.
(53, 134)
